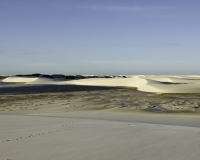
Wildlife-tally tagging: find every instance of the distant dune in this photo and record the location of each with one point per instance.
(159, 84)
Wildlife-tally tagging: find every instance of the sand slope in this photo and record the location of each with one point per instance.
(126, 82)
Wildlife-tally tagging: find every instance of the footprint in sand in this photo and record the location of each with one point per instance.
(30, 136)
(18, 139)
(7, 140)
(132, 124)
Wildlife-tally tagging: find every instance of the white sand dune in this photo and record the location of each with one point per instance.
(148, 84)
(125, 82)
(193, 76)
(30, 80)
(160, 84)
(170, 88)
(19, 79)
(46, 81)
(161, 79)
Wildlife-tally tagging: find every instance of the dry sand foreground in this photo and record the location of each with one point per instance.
(49, 121)
(63, 138)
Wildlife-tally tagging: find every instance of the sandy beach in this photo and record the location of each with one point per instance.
(64, 120)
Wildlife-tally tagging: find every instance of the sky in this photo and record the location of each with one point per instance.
(100, 37)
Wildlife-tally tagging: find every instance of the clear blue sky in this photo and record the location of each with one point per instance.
(100, 36)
